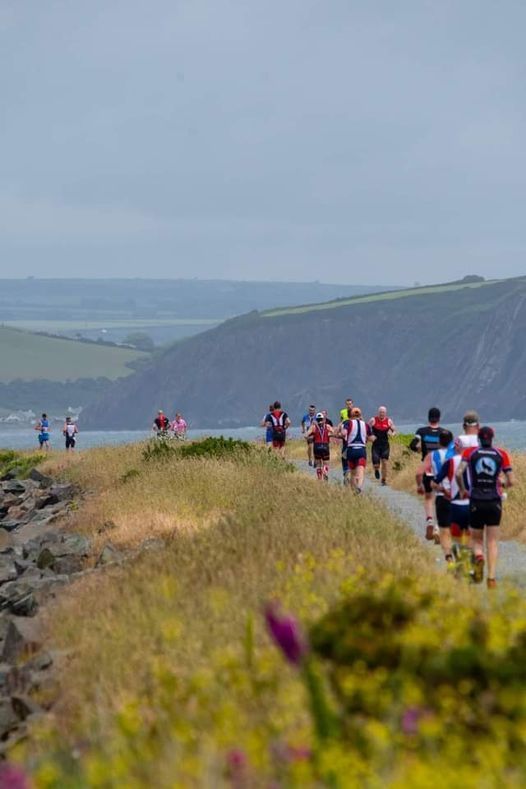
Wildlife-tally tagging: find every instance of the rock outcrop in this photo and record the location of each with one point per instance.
(37, 558)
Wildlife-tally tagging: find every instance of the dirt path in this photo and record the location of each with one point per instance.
(512, 555)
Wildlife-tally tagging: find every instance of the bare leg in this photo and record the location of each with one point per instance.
(477, 541)
(385, 468)
(429, 505)
(359, 477)
(492, 547)
(310, 452)
(445, 541)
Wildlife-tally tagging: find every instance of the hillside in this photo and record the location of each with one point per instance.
(27, 356)
(166, 309)
(455, 345)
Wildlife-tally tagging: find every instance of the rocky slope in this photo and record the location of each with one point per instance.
(454, 348)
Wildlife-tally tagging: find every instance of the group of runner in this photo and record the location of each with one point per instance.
(351, 434)
(166, 428)
(462, 482)
(461, 478)
(69, 431)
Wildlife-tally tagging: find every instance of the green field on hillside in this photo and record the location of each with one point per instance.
(83, 325)
(386, 296)
(30, 356)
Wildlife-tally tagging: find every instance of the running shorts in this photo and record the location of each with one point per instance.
(459, 516)
(426, 481)
(310, 439)
(43, 437)
(443, 510)
(356, 456)
(484, 513)
(70, 442)
(380, 453)
(322, 452)
(277, 443)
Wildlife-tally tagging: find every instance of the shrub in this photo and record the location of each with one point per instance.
(215, 448)
(18, 462)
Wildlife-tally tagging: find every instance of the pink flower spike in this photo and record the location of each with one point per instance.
(285, 632)
(13, 777)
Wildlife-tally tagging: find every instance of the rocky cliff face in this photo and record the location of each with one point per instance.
(456, 349)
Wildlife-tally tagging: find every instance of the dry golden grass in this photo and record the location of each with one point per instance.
(239, 534)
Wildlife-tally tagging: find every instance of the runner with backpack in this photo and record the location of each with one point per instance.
(279, 421)
(321, 431)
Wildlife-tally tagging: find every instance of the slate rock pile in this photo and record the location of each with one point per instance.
(37, 558)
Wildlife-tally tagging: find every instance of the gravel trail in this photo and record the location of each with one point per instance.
(410, 510)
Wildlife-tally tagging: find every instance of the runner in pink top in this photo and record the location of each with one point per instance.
(179, 426)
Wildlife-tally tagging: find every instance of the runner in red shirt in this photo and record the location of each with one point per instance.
(485, 466)
(382, 427)
(279, 421)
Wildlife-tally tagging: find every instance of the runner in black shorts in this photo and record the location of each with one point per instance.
(382, 427)
(427, 439)
(485, 465)
(320, 432)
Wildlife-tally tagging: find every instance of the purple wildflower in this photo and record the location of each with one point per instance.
(13, 777)
(286, 634)
(411, 719)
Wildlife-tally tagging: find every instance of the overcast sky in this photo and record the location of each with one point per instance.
(366, 141)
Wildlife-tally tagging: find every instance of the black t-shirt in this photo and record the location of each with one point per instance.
(485, 465)
(429, 438)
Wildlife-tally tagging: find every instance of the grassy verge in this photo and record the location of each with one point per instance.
(172, 669)
(174, 682)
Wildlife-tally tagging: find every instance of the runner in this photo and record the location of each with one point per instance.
(429, 467)
(179, 427)
(469, 436)
(266, 423)
(426, 440)
(43, 433)
(161, 424)
(484, 466)
(321, 433)
(355, 433)
(69, 431)
(345, 413)
(458, 530)
(307, 422)
(279, 422)
(382, 427)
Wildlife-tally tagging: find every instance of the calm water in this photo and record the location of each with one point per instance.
(509, 434)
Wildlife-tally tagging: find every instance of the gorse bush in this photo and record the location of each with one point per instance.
(215, 448)
(210, 447)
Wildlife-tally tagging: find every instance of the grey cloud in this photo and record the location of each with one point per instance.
(370, 142)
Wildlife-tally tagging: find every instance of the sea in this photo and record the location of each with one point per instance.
(511, 435)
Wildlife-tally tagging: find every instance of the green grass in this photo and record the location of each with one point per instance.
(53, 326)
(374, 297)
(20, 462)
(29, 356)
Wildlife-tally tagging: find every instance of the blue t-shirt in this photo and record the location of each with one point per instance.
(268, 433)
(307, 420)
